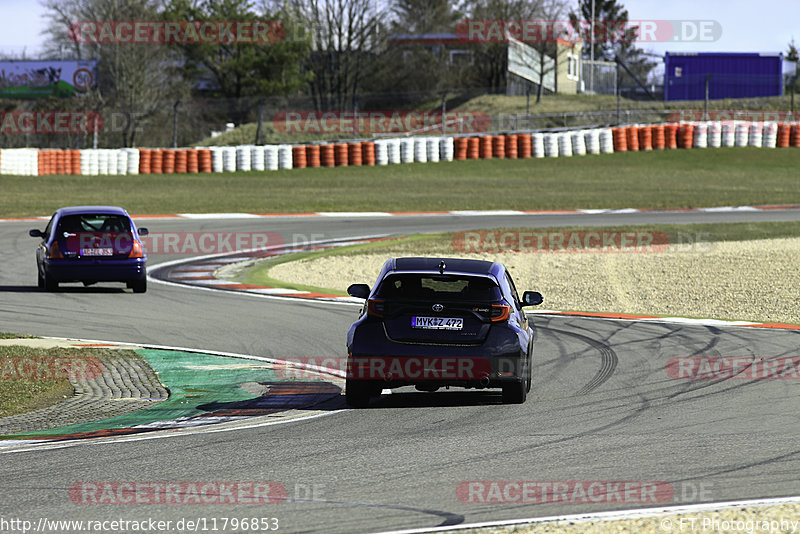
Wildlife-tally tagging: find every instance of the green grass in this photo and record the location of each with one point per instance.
(441, 244)
(659, 179)
(24, 395)
(19, 395)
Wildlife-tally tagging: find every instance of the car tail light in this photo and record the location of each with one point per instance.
(375, 307)
(136, 250)
(55, 251)
(500, 312)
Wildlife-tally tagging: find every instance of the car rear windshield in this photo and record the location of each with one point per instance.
(421, 286)
(94, 222)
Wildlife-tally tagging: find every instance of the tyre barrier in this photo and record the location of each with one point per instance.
(499, 146)
(578, 140)
(133, 161)
(474, 148)
(354, 158)
(340, 154)
(645, 135)
(486, 147)
(551, 145)
(299, 157)
(794, 138)
(700, 135)
(313, 158)
(511, 147)
(685, 135)
(524, 146)
(620, 139)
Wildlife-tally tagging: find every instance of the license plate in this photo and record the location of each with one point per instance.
(97, 252)
(437, 323)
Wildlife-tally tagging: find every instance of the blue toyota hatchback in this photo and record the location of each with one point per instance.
(91, 244)
(433, 322)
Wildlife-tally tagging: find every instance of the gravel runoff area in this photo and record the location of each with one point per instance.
(739, 280)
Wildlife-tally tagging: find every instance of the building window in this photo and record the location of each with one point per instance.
(460, 57)
(572, 67)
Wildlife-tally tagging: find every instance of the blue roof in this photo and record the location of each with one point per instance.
(69, 210)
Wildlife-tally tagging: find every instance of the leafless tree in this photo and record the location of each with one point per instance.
(134, 80)
(346, 35)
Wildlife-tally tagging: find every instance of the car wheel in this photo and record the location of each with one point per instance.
(515, 392)
(528, 379)
(357, 393)
(49, 284)
(138, 286)
(39, 279)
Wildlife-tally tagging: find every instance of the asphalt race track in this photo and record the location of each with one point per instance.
(602, 407)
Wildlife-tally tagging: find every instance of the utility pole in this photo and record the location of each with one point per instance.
(591, 53)
(175, 124)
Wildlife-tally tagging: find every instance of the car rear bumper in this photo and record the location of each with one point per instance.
(108, 270)
(500, 359)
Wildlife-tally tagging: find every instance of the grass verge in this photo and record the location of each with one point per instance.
(18, 395)
(657, 180)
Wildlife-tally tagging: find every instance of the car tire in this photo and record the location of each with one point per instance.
(39, 279)
(49, 284)
(357, 393)
(528, 377)
(515, 392)
(138, 286)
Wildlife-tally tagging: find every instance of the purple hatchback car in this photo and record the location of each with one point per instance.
(91, 244)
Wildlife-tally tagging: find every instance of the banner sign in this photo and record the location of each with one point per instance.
(41, 79)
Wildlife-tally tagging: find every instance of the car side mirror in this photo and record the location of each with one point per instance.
(532, 298)
(360, 291)
(36, 233)
(142, 231)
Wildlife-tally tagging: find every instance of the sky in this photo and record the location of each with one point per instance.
(746, 26)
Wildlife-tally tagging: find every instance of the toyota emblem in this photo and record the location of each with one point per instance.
(437, 307)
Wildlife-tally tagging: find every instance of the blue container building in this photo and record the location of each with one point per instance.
(733, 75)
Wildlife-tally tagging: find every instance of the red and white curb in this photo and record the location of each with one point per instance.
(459, 213)
(199, 271)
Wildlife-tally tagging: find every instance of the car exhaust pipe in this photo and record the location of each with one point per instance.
(484, 381)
